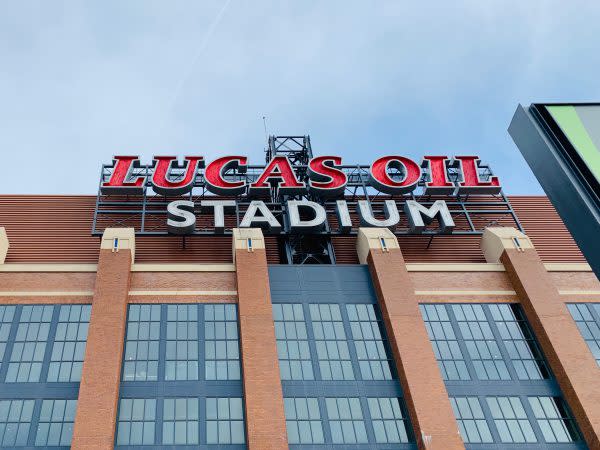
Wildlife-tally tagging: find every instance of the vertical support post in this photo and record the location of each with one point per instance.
(263, 394)
(101, 374)
(571, 361)
(424, 390)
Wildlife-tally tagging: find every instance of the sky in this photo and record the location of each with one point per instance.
(81, 81)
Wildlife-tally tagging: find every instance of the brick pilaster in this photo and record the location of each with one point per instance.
(263, 395)
(571, 361)
(424, 390)
(101, 374)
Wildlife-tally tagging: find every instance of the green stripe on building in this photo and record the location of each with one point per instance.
(569, 121)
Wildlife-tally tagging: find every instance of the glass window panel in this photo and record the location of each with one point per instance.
(15, 421)
(140, 360)
(55, 426)
(181, 356)
(7, 314)
(346, 420)
(330, 340)
(29, 347)
(480, 342)
(303, 421)
(554, 419)
(224, 421)
(445, 343)
(292, 342)
(136, 423)
(68, 350)
(180, 421)
(471, 420)
(522, 349)
(389, 420)
(588, 325)
(369, 342)
(511, 420)
(221, 342)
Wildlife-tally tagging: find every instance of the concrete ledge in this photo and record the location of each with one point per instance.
(497, 239)
(249, 239)
(451, 267)
(154, 267)
(116, 239)
(190, 267)
(568, 267)
(370, 238)
(48, 267)
(182, 292)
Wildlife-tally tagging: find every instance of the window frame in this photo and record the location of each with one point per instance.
(340, 288)
(200, 388)
(515, 387)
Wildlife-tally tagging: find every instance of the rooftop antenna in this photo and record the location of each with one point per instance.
(265, 127)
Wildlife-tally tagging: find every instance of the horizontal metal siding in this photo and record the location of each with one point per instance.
(57, 229)
(547, 231)
(49, 229)
(538, 218)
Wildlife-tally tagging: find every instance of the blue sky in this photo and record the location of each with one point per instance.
(81, 81)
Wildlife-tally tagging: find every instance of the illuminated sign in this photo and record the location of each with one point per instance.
(318, 196)
(326, 178)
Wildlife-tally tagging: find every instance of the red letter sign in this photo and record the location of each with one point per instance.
(280, 173)
(163, 166)
(471, 183)
(121, 181)
(215, 171)
(325, 179)
(381, 180)
(438, 183)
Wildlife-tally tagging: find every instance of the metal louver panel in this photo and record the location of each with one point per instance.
(56, 229)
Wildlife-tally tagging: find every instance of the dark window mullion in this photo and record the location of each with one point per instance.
(387, 345)
(501, 345)
(487, 414)
(202, 342)
(162, 344)
(463, 347)
(202, 393)
(592, 311)
(366, 413)
(324, 418)
(355, 364)
(35, 419)
(11, 342)
(202, 420)
(312, 345)
(532, 420)
(531, 340)
(50, 344)
(158, 421)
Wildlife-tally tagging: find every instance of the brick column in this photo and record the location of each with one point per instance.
(263, 395)
(568, 355)
(424, 390)
(101, 375)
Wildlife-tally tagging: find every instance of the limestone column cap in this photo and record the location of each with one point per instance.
(497, 239)
(4, 244)
(249, 239)
(377, 239)
(116, 239)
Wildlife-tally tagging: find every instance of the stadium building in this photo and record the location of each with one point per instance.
(301, 304)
